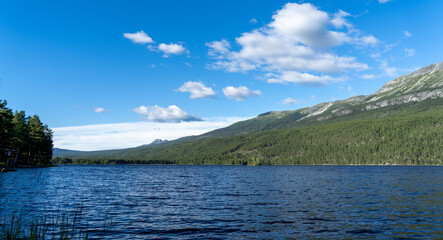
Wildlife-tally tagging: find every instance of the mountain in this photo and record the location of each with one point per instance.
(56, 152)
(374, 129)
(423, 84)
(158, 141)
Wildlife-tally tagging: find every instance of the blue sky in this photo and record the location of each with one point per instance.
(91, 69)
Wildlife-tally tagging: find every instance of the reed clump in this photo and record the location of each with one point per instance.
(60, 225)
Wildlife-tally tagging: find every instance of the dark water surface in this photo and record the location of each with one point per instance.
(237, 202)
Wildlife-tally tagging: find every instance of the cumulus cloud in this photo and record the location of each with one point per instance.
(125, 135)
(139, 37)
(297, 39)
(291, 101)
(100, 110)
(197, 90)
(306, 24)
(172, 48)
(171, 114)
(240, 93)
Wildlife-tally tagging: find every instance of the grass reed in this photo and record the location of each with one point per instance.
(61, 225)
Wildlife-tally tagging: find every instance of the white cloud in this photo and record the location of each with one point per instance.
(197, 90)
(138, 37)
(266, 52)
(100, 110)
(168, 49)
(368, 76)
(297, 77)
(388, 70)
(297, 39)
(306, 24)
(384, 1)
(410, 52)
(171, 114)
(349, 88)
(152, 48)
(171, 48)
(253, 20)
(291, 101)
(125, 135)
(407, 33)
(219, 49)
(240, 93)
(368, 40)
(339, 20)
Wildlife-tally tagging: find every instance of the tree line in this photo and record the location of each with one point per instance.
(24, 140)
(411, 139)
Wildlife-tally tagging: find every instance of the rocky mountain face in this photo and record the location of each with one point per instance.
(429, 77)
(158, 141)
(423, 84)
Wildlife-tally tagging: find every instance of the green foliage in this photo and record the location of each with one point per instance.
(298, 118)
(412, 138)
(29, 140)
(62, 225)
(6, 130)
(399, 125)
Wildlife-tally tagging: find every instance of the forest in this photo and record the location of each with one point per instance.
(24, 140)
(413, 138)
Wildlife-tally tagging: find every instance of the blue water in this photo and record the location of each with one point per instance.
(236, 202)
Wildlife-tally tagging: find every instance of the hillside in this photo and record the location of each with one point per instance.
(423, 84)
(399, 124)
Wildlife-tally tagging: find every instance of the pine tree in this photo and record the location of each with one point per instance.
(21, 134)
(6, 131)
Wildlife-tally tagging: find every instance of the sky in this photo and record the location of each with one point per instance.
(118, 74)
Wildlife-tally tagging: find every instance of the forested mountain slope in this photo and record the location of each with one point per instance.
(423, 84)
(399, 124)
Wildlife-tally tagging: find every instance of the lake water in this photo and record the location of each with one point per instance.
(236, 202)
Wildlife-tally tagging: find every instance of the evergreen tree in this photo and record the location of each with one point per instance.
(27, 138)
(21, 135)
(36, 135)
(6, 130)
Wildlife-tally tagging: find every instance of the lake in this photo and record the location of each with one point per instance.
(235, 202)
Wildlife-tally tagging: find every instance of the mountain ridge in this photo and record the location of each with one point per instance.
(412, 94)
(339, 108)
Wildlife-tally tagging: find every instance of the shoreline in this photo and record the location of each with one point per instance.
(131, 164)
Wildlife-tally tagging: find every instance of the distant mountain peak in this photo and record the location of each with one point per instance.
(158, 141)
(427, 77)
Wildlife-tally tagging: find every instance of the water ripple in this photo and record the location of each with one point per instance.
(235, 202)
